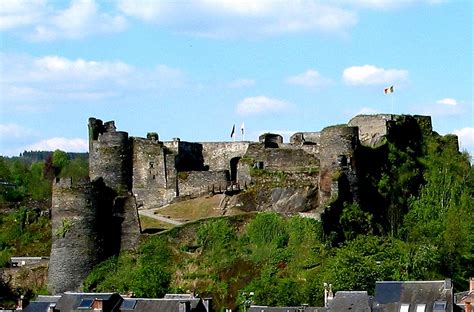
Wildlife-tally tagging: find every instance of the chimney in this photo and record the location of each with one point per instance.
(52, 307)
(98, 304)
(184, 306)
(20, 303)
(471, 285)
(328, 295)
(448, 284)
(207, 302)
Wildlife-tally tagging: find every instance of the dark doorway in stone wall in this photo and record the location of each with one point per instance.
(234, 162)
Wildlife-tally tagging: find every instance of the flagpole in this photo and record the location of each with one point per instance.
(391, 96)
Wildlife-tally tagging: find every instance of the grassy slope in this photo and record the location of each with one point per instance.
(196, 208)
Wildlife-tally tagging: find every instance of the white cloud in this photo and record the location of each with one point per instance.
(443, 108)
(28, 80)
(261, 104)
(386, 5)
(448, 101)
(64, 144)
(241, 83)
(466, 137)
(231, 18)
(14, 14)
(11, 130)
(38, 21)
(81, 19)
(372, 75)
(311, 78)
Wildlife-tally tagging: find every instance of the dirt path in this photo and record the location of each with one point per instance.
(151, 213)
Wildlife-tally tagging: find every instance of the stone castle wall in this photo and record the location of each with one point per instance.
(218, 155)
(286, 157)
(374, 128)
(194, 183)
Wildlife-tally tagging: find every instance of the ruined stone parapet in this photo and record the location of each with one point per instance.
(305, 138)
(270, 139)
(76, 240)
(338, 145)
(373, 129)
(110, 159)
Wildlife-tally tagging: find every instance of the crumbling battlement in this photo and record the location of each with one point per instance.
(148, 168)
(374, 128)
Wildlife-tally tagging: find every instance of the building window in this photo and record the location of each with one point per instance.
(439, 306)
(85, 304)
(420, 307)
(404, 307)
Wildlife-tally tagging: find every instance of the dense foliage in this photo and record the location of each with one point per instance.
(25, 227)
(22, 179)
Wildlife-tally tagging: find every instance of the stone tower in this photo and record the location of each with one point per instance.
(109, 155)
(110, 159)
(76, 240)
(338, 174)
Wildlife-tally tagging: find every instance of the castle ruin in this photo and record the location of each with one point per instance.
(98, 218)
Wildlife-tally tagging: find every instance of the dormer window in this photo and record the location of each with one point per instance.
(405, 307)
(85, 304)
(439, 306)
(420, 307)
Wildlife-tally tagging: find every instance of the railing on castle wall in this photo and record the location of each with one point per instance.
(230, 186)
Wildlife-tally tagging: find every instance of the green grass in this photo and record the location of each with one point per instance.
(195, 209)
(150, 223)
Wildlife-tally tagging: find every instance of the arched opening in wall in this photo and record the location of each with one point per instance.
(234, 162)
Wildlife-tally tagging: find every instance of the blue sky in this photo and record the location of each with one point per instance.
(192, 69)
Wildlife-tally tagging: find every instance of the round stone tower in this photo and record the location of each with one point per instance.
(76, 240)
(338, 167)
(110, 158)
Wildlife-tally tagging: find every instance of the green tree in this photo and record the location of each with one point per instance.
(60, 161)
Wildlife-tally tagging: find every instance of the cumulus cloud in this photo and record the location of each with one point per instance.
(241, 83)
(64, 144)
(448, 101)
(311, 78)
(466, 137)
(37, 20)
(55, 78)
(224, 18)
(261, 104)
(372, 75)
